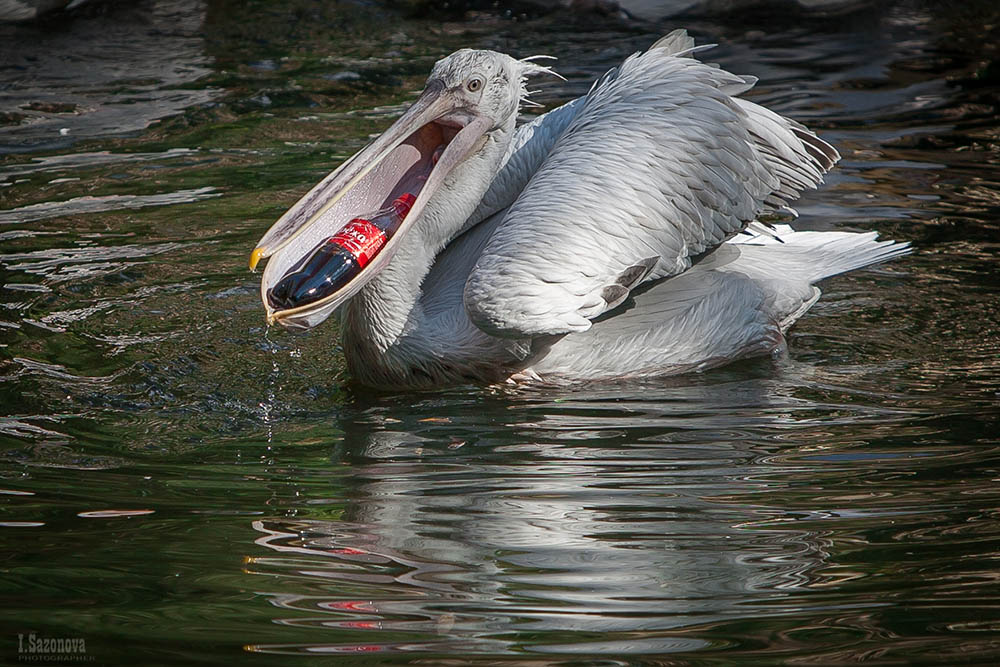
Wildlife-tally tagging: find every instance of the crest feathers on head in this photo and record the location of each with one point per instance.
(529, 69)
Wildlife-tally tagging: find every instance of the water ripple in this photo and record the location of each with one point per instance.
(79, 205)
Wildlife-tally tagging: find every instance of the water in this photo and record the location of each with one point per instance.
(181, 485)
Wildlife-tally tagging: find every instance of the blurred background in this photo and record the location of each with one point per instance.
(179, 484)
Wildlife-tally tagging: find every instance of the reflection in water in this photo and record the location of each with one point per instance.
(609, 524)
(760, 517)
(543, 554)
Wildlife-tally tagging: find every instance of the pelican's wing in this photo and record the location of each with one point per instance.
(533, 141)
(658, 165)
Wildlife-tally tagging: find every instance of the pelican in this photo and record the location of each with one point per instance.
(615, 236)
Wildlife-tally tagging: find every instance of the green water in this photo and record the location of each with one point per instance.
(180, 485)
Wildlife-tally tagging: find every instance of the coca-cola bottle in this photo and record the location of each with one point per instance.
(338, 259)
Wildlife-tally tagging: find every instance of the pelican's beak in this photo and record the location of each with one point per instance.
(416, 154)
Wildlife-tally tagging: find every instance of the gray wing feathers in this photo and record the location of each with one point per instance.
(796, 156)
(659, 160)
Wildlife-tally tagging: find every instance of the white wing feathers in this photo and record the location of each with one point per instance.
(657, 164)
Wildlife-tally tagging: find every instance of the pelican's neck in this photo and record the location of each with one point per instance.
(380, 314)
(388, 307)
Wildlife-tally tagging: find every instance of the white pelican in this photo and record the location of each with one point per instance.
(598, 241)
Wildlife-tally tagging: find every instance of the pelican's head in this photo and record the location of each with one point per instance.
(470, 97)
(489, 83)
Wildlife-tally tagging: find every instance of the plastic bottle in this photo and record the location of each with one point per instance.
(338, 259)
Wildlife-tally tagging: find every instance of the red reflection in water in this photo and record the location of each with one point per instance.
(349, 605)
(359, 625)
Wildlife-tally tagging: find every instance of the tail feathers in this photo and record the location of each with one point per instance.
(813, 256)
(849, 252)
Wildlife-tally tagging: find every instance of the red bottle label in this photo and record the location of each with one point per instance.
(360, 238)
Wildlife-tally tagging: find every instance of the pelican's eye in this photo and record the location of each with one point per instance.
(474, 84)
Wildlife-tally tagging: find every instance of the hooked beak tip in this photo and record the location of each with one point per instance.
(255, 257)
